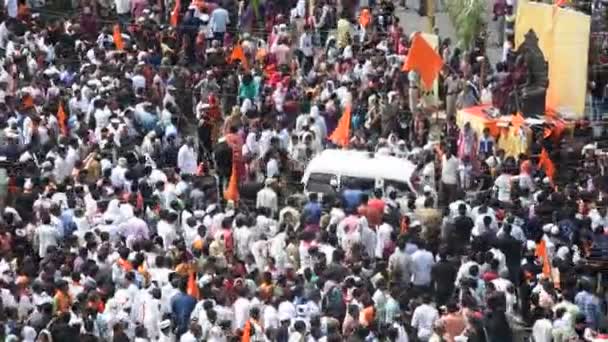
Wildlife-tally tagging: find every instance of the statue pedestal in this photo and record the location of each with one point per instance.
(533, 102)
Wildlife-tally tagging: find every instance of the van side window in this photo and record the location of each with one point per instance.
(320, 182)
(399, 186)
(363, 184)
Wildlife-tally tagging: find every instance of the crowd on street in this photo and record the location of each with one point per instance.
(150, 163)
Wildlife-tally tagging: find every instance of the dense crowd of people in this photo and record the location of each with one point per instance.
(125, 127)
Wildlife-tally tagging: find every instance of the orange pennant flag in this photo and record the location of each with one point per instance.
(424, 60)
(192, 286)
(341, 135)
(541, 253)
(365, 17)
(232, 191)
(545, 162)
(62, 119)
(238, 54)
(174, 20)
(117, 36)
(517, 121)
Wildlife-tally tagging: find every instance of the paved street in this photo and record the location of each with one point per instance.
(411, 21)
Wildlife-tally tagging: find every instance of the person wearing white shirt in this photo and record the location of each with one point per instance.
(187, 158)
(306, 47)
(11, 8)
(123, 7)
(267, 197)
(542, 330)
(47, 236)
(599, 218)
(423, 319)
(422, 261)
(383, 236)
(449, 176)
(241, 309)
(272, 167)
(502, 185)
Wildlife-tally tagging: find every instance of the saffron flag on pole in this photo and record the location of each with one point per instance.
(192, 286)
(541, 253)
(117, 37)
(232, 191)
(545, 162)
(174, 21)
(423, 59)
(341, 135)
(62, 119)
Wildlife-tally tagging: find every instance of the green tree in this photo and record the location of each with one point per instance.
(468, 18)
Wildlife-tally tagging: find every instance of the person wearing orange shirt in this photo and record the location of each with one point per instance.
(454, 322)
(62, 303)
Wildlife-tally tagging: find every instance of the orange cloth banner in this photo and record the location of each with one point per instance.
(424, 60)
(174, 21)
(341, 135)
(232, 191)
(192, 287)
(545, 162)
(541, 252)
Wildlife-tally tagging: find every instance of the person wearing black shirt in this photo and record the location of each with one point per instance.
(512, 249)
(463, 225)
(169, 153)
(443, 275)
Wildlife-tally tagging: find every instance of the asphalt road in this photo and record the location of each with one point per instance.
(411, 21)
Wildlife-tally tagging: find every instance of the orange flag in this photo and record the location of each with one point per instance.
(238, 54)
(517, 121)
(232, 191)
(545, 162)
(341, 135)
(192, 287)
(62, 119)
(424, 60)
(541, 252)
(561, 2)
(174, 21)
(117, 36)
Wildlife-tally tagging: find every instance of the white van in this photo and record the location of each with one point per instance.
(334, 170)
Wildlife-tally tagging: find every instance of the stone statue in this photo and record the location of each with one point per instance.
(532, 93)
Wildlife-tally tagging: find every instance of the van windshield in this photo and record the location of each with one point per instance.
(363, 184)
(320, 182)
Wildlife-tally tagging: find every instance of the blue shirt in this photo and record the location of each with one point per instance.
(312, 213)
(352, 198)
(590, 306)
(182, 306)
